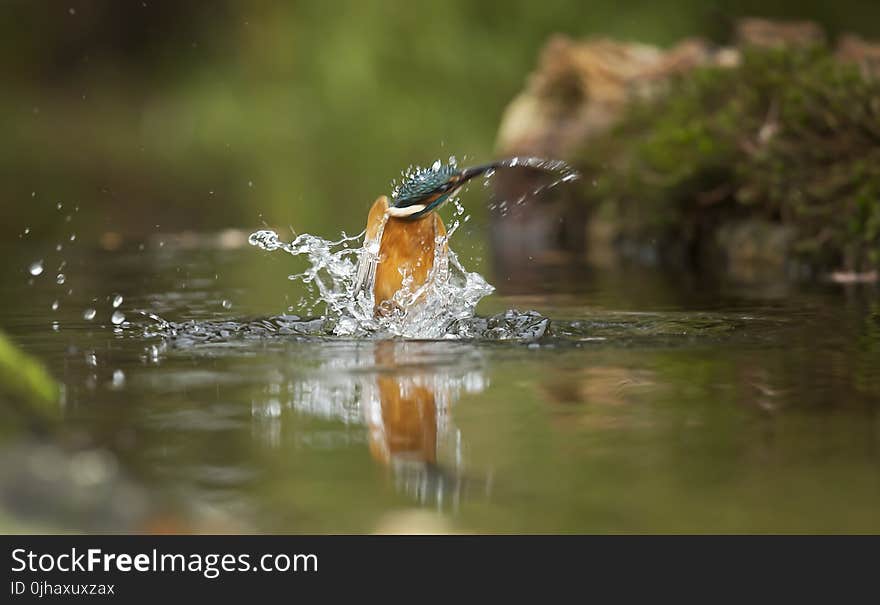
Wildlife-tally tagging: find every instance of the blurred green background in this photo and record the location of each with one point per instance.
(204, 115)
(156, 117)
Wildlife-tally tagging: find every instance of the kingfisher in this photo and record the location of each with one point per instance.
(403, 230)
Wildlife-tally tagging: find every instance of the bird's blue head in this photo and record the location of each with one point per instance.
(426, 190)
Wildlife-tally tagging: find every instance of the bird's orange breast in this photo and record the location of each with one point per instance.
(407, 247)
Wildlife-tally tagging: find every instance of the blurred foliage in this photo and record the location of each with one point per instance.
(25, 384)
(788, 136)
(201, 115)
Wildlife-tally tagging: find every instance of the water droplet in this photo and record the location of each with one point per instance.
(92, 359)
(117, 318)
(27, 230)
(71, 10)
(73, 237)
(226, 304)
(59, 205)
(118, 379)
(250, 183)
(58, 247)
(89, 314)
(36, 268)
(117, 300)
(59, 279)
(55, 326)
(55, 305)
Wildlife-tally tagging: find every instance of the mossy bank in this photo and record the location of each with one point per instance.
(757, 160)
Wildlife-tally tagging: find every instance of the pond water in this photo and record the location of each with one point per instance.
(608, 400)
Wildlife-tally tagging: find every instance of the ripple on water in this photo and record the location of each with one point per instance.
(603, 328)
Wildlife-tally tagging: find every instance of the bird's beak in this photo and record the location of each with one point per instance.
(469, 173)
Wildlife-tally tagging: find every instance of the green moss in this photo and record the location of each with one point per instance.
(789, 136)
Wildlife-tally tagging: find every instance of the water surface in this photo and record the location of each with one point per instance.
(629, 401)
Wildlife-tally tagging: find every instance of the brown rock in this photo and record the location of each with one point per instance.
(777, 34)
(852, 48)
(580, 88)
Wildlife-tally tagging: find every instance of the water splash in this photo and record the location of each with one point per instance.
(339, 279)
(335, 278)
(340, 275)
(566, 174)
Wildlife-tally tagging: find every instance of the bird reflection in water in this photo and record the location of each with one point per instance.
(403, 394)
